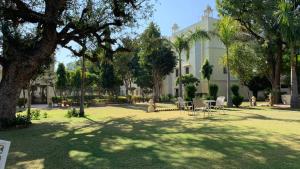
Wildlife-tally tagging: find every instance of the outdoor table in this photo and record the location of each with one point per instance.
(209, 103)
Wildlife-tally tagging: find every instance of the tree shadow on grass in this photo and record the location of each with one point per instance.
(130, 143)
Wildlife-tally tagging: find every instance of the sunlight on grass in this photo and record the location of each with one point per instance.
(128, 137)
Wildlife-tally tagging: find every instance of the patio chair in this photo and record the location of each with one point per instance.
(183, 105)
(199, 105)
(220, 103)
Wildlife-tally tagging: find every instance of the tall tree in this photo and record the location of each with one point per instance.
(31, 31)
(257, 19)
(182, 43)
(288, 13)
(125, 62)
(61, 81)
(207, 70)
(157, 56)
(226, 31)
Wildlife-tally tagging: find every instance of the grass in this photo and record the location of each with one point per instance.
(128, 137)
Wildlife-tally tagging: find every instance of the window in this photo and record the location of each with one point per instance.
(176, 92)
(187, 70)
(224, 70)
(177, 73)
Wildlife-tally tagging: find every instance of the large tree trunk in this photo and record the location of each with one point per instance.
(229, 99)
(10, 89)
(276, 73)
(294, 81)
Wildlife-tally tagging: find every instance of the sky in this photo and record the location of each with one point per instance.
(167, 12)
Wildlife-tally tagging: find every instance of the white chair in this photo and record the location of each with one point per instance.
(183, 105)
(4, 148)
(199, 105)
(220, 103)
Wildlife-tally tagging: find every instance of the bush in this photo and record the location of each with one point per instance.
(35, 115)
(137, 99)
(213, 91)
(22, 120)
(22, 102)
(166, 98)
(237, 100)
(72, 113)
(45, 115)
(190, 92)
(56, 100)
(235, 90)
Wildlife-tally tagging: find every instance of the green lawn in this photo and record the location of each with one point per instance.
(128, 137)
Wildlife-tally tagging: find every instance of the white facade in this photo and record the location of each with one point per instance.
(213, 50)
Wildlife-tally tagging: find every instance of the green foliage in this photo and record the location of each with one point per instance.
(35, 114)
(166, 98)
(237, 100)
(156, 56)
(227, 29)
(246, 61)
(45, 115)
(207, 70)
(56, 100)
(72, 113)
(258, 83)
(213, 91)
(22, 120)
(190, 92)
(188, 79)
(62, 81)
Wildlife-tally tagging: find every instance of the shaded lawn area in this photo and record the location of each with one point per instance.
(127, 137)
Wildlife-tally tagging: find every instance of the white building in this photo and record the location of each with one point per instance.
(213, 50)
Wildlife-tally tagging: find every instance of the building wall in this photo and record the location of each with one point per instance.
(211, 49)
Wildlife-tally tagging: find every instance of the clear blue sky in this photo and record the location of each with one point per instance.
(167, 12)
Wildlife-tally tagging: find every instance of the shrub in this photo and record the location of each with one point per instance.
(137, 99)
(190, 92)
(45, 115)
(56, 100)
(237, 100)
(235, 90)
(213, 91)
(22, 120)
(35, 114)
(72, 113)
(22, 102)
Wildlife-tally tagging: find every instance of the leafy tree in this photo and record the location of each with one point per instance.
(207, 70)
(182, 43)
(62, 81)
(288, 13)
(188, 79)
(31, 31)
(190, 92)
(156, 56)
(226, 31)
(126, 63)
(257, 20)
(258, 83)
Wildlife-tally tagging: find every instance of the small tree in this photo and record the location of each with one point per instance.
(237, 99)
(207, 70)
(62, 81)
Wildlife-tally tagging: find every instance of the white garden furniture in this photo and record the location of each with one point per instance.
(4, 147)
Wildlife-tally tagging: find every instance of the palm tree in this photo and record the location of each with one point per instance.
(289, 25)
(226, 31)
(182, 43)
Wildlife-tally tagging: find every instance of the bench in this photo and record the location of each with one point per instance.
(4, 147)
